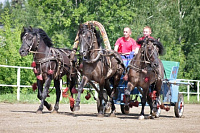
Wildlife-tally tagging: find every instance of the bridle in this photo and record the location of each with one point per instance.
(147, 56)
(31, 42)
(82, 37)
(90, 45)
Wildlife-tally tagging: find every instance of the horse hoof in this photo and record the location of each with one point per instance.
(141, 117)
(50, 107)
(107, 110)
(54, 111)
(126, 109)
(156, 116)
(112, 115)
(151, 117)
(39, 111)
(72, 109)
(76, 108)
(153, 114)
(100, 115)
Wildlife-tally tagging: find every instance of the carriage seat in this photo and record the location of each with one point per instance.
(170, 91)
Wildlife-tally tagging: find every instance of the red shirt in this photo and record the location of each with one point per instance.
(142, 38)
(126, 46)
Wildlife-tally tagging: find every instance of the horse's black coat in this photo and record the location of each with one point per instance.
(146, 69)
(99, 65)
(50, 64)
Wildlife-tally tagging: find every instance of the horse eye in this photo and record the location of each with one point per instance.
(30, 37)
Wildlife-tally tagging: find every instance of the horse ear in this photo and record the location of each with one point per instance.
(23, 29)
(158, 39)
(30, 28)
(80, 26)
(89, 26)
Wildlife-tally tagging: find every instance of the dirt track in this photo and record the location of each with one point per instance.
(21, 118)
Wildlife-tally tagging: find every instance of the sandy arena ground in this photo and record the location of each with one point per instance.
(21, 118)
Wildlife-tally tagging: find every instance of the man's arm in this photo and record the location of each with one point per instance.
(136, 51)
(116, 48)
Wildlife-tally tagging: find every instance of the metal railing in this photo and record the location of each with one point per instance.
(188, 88)
(29, 86)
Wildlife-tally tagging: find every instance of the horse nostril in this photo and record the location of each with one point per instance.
(21, 51)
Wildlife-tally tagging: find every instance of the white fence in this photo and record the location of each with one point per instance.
(20, 86)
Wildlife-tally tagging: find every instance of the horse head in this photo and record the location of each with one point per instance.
(28, 38)
(31, 39)
(88, 39)
(152, 48)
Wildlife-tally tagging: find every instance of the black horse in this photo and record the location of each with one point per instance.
(98, 65)
(146, 69)
(49, 64)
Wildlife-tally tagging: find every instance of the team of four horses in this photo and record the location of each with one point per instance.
(103, 66)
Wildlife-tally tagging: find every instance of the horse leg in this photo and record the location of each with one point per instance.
(39, 95)
(100, 107)
(150, 102)
(113, 93)
(143, 101)
(157, 102)
(71, 85)
(110, 103)
(127, 93)
(43, 94)
(40, 90)
(58, 92)
(80, 88)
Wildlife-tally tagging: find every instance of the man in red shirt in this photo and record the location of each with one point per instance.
(146, 33)
(126, 44)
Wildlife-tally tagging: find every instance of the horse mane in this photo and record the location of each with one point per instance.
(47, 40)
(92, 27)
(99, 39)
(155, 42)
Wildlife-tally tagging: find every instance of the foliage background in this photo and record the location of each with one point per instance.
(176, 22)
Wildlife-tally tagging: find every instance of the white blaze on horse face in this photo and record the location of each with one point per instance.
(83, 45)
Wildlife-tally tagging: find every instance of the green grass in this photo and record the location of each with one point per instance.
(32, 98)
(193, 99)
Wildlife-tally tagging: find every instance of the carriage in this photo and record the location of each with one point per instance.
(160, 91)
(104, 66)
(170, 95)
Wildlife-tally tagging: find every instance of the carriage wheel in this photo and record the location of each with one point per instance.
(179, 106)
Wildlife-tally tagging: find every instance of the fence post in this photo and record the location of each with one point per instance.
(188, 91)
(18, 83)
(61, 89)
(198, 91)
